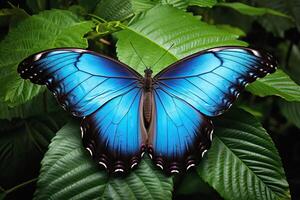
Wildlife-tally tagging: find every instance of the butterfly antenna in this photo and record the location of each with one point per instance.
(138, 55)
(166, 51)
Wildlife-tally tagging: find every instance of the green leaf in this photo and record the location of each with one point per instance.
(89, 5)
(277, 25)
(22, 146)
(203, 3)
(143, 5)
(231, 29)
(243, 162)
(180, 4)
(49, 29)
(120, 9)
(36, 5)
(12, 16)
(154, 32)
(42, 104)
(279, 84)
(250, 10)
(69, 172)
(291, 111)
(10, 11)
(114, 9)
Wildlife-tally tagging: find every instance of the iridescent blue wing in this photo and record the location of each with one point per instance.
(178, 133)
(81, 80)
(189, 91)
(211, 80)
(115, 134)
(106, 93)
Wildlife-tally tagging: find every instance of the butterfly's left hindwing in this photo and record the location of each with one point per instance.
(106, 93)
(180, 135)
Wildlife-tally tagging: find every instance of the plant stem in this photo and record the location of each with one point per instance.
(20, 185)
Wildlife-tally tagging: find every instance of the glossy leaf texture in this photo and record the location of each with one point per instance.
(44, 103)
(243, 162)
(253, 11)
(69, 172)
(49, 29)
(23, 143)
(203, 3)
(291, 111)
(279, 84)
(144, 5)
(165, 30)
(122, 9)
(277, 25)
(114, 9)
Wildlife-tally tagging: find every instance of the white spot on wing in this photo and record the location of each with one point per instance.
(37, 56)
(211, 134)
(191, 165)
(203, 153)
(89, 150)
(78, 50)
(134, 164)
(103, 164)
(160, 166)
(119, 170)
(256, 53)
(81, 131)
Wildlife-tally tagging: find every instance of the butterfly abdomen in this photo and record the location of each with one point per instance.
(147, 108)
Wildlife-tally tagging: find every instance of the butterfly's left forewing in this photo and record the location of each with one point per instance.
(106, 93)
(193, 89)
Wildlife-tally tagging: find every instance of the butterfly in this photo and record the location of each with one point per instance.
(125, 114)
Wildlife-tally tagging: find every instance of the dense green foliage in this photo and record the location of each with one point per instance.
(41, 152)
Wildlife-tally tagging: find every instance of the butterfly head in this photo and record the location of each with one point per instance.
(148, 72)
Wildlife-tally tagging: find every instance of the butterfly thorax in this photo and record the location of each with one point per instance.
(148, 80)
(147, 106)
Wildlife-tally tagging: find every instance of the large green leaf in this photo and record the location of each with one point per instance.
(278, 24)
(144, 5)
(114, 9)
(154, 32)
(279, 84)
(243, 162)
(49, 29)
(36, 5)
(291, 111)
(250, 10)
(22, 146)
(69, 172)
(41, 104)
(203, 3)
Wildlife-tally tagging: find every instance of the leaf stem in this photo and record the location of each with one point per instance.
(97, 17)
(20, 185)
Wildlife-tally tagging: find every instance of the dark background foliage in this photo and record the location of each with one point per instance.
(233, 169)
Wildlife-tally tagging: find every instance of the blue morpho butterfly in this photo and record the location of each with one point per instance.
(125, 114)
